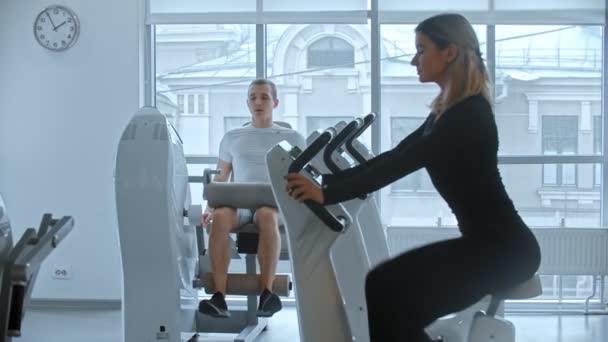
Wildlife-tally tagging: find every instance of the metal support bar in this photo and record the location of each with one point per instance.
(591, 296)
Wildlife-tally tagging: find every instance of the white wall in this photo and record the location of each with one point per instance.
(61, 116)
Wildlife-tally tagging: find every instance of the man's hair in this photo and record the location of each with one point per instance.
(262, 81)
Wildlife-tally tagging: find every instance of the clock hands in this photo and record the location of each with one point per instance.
(52, 23)
(63, 23)
(51, 19)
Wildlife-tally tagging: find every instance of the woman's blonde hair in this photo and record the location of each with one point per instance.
(468, 73)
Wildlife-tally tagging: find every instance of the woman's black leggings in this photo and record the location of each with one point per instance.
(410, 291)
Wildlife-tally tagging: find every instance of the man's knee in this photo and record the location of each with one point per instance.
(267, 218)
(224, 219)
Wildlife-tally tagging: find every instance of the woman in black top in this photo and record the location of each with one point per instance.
(457, 144)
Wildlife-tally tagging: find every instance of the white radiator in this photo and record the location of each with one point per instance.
(564, 251)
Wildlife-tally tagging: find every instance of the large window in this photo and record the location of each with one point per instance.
(548, 91)
(546, 58)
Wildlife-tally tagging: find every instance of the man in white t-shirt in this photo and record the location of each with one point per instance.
(243, 151)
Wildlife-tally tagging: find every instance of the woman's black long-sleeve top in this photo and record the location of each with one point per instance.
(459, 151)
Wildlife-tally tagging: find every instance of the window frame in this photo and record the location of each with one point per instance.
(376, 19)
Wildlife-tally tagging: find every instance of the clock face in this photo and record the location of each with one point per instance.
(56, 28)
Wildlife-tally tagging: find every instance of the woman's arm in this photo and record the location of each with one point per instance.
(460, 128)
(376, 173)
(407, 141)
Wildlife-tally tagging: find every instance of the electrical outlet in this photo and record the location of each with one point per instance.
(62, 272)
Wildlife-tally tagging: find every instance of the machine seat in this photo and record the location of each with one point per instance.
(247, 237)
(528, 289)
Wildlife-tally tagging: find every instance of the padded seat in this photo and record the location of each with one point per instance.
(528, 289)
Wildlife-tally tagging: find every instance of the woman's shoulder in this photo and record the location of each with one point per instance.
(476, 101)
(474, 106)
(472, 111)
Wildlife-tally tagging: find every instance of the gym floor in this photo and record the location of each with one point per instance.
(77, 325)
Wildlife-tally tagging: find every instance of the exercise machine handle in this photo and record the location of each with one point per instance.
(334, 223)
(367, 121)
(336, 142)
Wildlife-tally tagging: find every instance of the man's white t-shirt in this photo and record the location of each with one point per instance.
(246, 147)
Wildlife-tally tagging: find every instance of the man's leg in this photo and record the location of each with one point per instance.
(269, 247)
(224, 220)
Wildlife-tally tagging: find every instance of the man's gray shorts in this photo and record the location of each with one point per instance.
(248, 215)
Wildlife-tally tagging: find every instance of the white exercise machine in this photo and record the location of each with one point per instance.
(156, 226)
(313, 230)
(363, 245)
(19, 265)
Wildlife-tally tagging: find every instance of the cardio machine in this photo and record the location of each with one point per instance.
(312, 231)
(19, 265)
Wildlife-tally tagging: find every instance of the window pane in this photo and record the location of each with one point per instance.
(569, 174)
(180, 104)
(190, 104)
(311, 99)
(574, 204)
(572, 288)
(547, 76)
(201, 105)
(550, 174)
(212, 64)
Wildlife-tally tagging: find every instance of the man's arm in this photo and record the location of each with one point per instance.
(225, 171)
(224, 176)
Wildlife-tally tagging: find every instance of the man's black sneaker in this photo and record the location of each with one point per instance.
(269, 304)
(215, 306)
